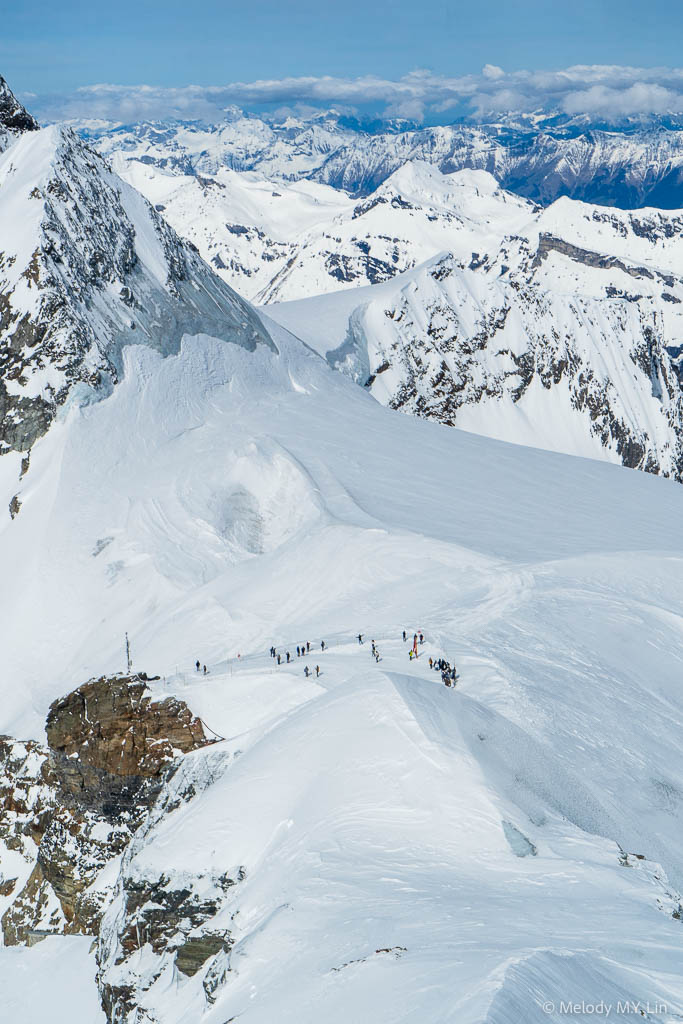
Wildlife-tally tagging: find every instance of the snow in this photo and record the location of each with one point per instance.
(368, 806)
(276, 240)
(410, 851)
(48, 982)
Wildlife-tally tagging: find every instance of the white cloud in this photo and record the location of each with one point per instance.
(606, 91)
(640, 98)
(492, 71)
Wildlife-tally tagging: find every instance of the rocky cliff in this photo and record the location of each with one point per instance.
(14, 118)
(71, 808)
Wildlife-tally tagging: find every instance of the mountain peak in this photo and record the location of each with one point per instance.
(88, 267)
(14, 117)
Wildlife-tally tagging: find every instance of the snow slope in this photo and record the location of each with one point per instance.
(51, 981)
(398, 850)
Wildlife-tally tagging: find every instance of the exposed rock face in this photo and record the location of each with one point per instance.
(468, 341)
(14, 119)
(27, 804)
(171, 920)
(69, 810)
(109, 744)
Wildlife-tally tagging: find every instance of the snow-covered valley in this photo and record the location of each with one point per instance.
(365, 843)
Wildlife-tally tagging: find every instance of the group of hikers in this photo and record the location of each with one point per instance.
(449, 673)
(374, 648)
(301, 651)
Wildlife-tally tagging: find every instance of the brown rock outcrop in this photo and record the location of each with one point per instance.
(109, 743)
(71, 808)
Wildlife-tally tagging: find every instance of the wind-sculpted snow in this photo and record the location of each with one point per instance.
(86, 267)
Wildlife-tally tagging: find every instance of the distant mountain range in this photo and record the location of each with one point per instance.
(541, 158)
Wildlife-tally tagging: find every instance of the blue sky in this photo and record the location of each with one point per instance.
(53, 49)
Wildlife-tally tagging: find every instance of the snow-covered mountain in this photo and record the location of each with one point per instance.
(192, 833)
(559, 328)
(286, 241)
(628, 167)
(86, 266)
(556, 327)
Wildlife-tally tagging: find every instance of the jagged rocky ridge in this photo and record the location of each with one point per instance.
(86, 267)
(71, 807)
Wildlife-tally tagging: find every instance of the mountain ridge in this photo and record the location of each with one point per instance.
(628, 168)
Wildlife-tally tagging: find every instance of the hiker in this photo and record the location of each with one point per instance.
(410, 654)
(431, 663)
(322, 645)
(373, 647)
(404, 636)
(454, 674)
(205, 670)
(446, 679)
(422, 639)
(360, 638)
(279, 659)
(377, 657)
(288, 657)
(306, 671)
(317, 671)
(308, 646)
(298, 653)
(198, 664)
